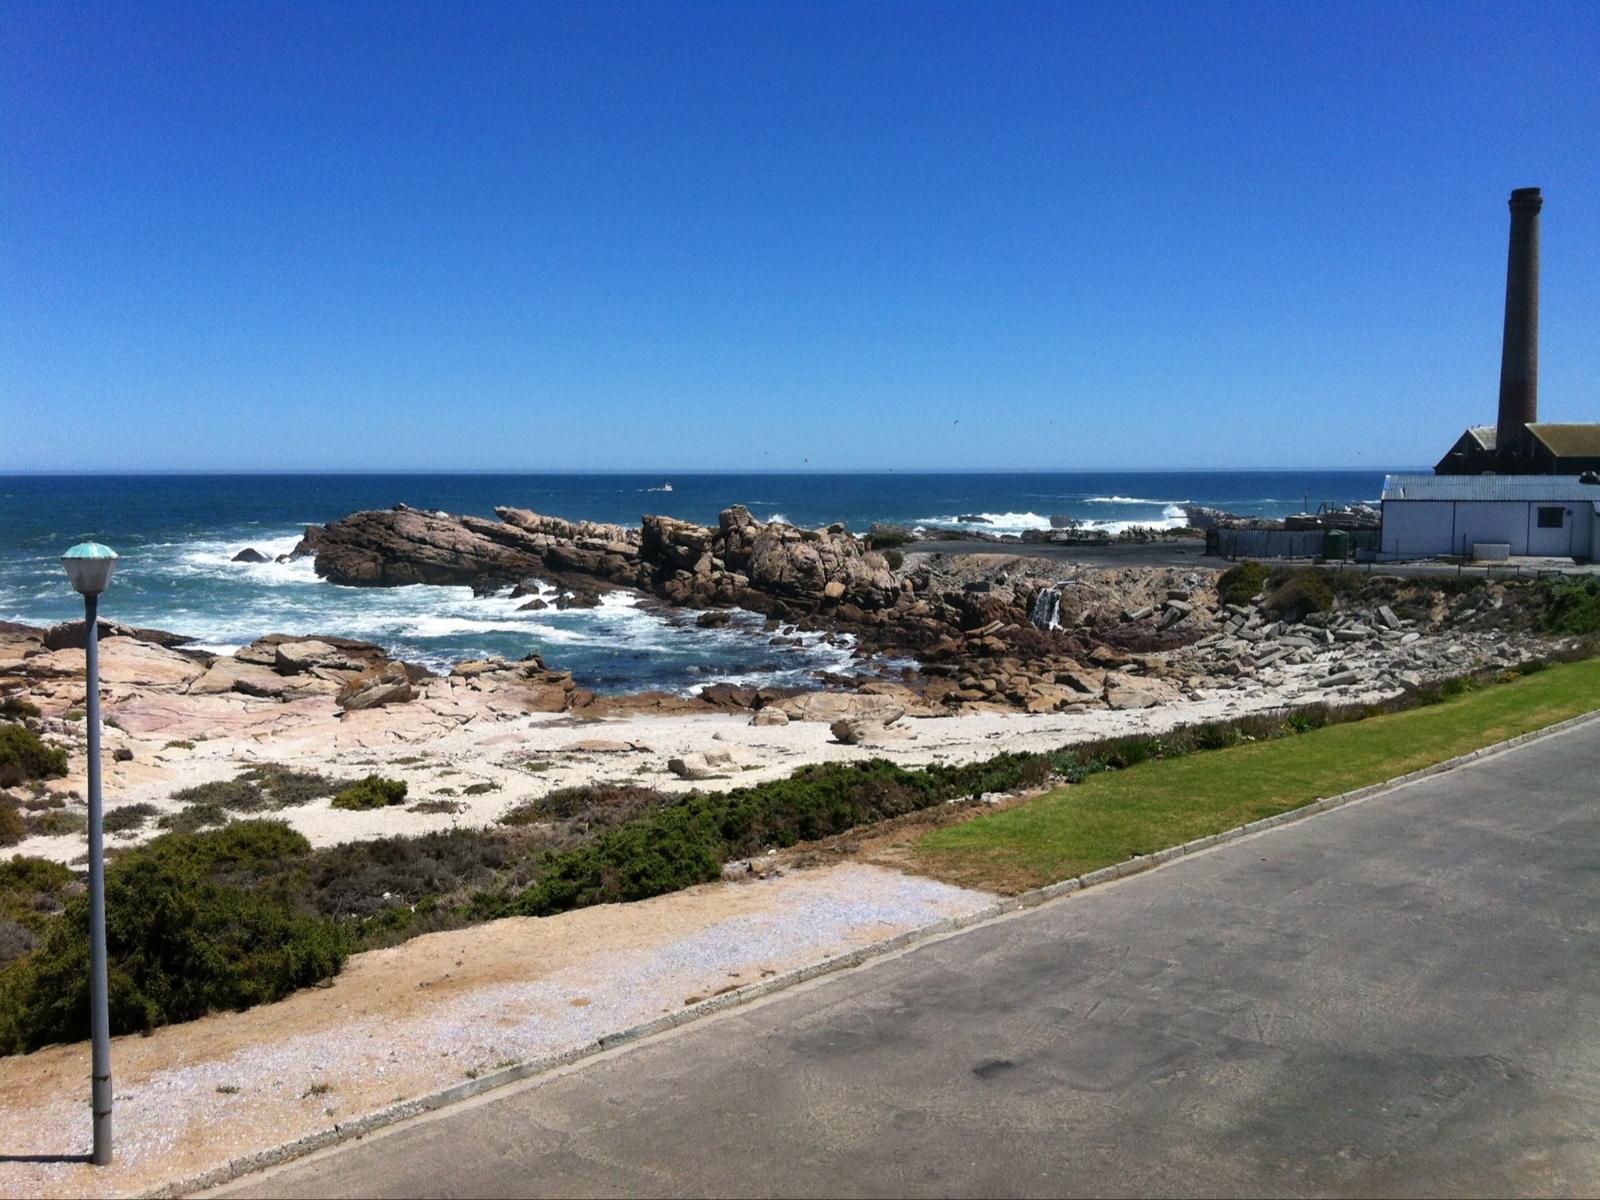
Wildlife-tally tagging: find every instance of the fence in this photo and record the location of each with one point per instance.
(1281, 543)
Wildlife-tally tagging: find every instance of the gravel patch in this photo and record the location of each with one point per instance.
(431, 1013)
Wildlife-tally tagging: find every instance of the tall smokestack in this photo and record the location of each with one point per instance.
(1519, 352)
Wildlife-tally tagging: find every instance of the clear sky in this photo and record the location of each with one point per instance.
(769, 236)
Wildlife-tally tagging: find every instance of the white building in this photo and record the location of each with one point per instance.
(1547, 516)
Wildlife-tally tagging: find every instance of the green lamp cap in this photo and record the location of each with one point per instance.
(90, 550)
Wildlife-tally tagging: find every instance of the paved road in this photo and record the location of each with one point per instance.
(1398, 997)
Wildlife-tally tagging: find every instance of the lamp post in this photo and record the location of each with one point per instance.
(89, 566)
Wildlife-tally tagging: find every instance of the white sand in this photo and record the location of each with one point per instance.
(523, 756)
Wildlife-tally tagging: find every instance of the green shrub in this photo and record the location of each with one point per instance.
(436, 806)
(372, 792)
(195, 817)
(182, 940)
(888, 539)
(32, 890)
(234, 795)
(1572, 606)
(1241, 583)
(284, 788)
(1303, 592)
(260, 789)
(480, 789)
(128, 817)
(895, 558)
(23, 756)
(56, 822)
(687, 842)
(12, 827)
(17, 706)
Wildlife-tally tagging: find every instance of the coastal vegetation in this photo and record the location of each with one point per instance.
(1105, 820)
(243, 914)
(1572, 606)
(374, 791)
(187, 932)
(24, 756)
(1241, 583)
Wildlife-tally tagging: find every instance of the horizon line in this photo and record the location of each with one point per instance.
(666, 475)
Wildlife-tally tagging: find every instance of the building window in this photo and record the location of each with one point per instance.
(1552, 518)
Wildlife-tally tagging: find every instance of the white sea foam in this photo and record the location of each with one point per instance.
(195, 587)
(1130, 500)
(1172, 517)
(1006, 522)
(778, 518)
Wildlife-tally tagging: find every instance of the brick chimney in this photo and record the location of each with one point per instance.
(1519, 351)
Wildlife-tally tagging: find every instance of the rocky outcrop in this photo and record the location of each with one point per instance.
(69, 635)
(523, 686)
(767, 567)
(404, 545)
(250, 555)
(388, 684)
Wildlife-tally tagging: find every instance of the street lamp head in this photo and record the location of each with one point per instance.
(89, 566)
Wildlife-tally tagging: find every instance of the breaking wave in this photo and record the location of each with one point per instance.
(1130, 500)
(1172, 517)
(195, 588)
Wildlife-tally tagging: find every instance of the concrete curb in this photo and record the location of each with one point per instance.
(490, 1080)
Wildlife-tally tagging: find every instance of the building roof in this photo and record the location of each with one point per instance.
(1568, 441)
(1489, 487)
(1484, 435)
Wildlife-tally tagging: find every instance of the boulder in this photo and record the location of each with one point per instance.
(1089, 683)
(1049, 698)
(1123, 692)
(770, 717)
(250, 555)
(246, 678)
(69, 635)
(691, 766)
(855, 731)
(834, 706)
(344, 654)
(292, 658)
(388, 684)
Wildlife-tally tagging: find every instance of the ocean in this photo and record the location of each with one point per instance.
(177, 534)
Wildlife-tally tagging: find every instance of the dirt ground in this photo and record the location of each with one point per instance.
(429, 1014)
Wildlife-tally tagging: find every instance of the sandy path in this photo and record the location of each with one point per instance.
(426, 1015)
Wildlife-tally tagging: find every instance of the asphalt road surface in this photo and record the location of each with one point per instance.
(1400, 997)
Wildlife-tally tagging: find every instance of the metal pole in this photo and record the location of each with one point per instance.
(99, 1008)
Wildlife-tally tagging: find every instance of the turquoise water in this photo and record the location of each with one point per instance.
(177, 535)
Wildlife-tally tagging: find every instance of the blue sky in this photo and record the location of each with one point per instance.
(766, 236)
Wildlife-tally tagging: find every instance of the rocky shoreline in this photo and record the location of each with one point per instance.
(990, 651)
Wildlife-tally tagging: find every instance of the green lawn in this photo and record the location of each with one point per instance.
(1108, 818)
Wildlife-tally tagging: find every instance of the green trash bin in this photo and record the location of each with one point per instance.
(1336, 545)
